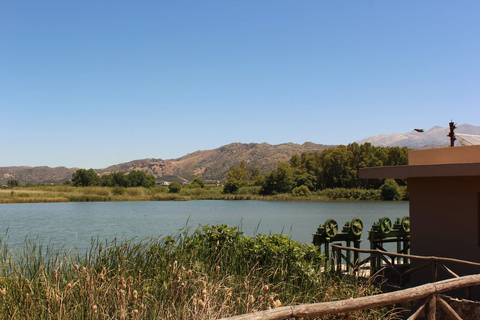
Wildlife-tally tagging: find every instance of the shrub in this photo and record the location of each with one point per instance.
(249, 190)
(232, 186)
(198, 183)
(390, 190)
(302, 191)
(174, 187)
(350, 194)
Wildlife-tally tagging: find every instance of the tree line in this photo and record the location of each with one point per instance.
(309, 172)
(136, 178)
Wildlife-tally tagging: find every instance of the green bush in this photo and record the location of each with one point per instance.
(174, 187)
(249, 190)
(350, 194)
(390, 190)
(302, 191)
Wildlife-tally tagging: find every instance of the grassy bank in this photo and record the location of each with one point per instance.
(64, 193)
(210, 273)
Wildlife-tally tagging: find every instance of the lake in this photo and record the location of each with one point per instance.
(75, 223)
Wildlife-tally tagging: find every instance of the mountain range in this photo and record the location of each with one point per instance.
(207, 164)
(214, 164)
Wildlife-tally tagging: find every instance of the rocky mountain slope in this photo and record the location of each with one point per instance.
(208, 164)
(436, 136)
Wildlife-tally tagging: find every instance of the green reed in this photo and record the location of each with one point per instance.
(210, 273)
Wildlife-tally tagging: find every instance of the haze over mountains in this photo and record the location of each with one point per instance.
(214, 164)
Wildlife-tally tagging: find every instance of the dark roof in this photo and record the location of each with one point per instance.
(426, 170)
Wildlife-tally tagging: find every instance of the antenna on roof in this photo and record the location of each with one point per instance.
(452, 133)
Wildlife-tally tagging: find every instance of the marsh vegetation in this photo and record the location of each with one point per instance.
(212, 272)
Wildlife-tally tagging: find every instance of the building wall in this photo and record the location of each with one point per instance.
(444, 217)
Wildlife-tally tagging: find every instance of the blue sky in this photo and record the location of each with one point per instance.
(93, 83)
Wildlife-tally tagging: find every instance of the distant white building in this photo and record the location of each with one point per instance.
(163, 183)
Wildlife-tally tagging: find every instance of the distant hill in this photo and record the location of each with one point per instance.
(35, 175)
(208, 164)
(434, 137)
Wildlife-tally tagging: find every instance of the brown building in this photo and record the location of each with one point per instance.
(444, 189)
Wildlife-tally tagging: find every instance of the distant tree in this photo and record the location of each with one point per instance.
(239, 173)
(13, 183)
(232, 185)
(390, 190)
(197, 183)
(150, 181)
(295, 161)
(120, 179)
(280, 180)
(236, 178)
(174, 187)
(254, 174)
(139, 178)
(85, 178)
(106, 180)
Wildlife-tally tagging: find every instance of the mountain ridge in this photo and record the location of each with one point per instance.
(214, 164)
(207, 164)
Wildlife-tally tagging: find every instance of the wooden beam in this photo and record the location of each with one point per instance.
(447, 308)
(380, 300)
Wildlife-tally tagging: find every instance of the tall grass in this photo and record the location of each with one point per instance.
(210, 273)
(79, 194)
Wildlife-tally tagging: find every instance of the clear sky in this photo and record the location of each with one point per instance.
(93, 83)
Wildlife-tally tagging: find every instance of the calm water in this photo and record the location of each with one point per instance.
(74, 224)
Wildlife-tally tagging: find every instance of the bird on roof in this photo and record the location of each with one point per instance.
(419, 130)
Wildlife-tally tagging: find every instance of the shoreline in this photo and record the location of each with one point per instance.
(62, 193)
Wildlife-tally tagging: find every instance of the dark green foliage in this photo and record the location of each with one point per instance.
(232, 186)
(85, 178)
(222, 245)
(13, 183)
(350, 194)
(390, 190)
(302, 191)
(280, 180)
(134, 178)
(236, 178)
(174, 187)
(140, 179)
(197, 183)
(333, 169)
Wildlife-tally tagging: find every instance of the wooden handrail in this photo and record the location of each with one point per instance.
(409, 256)
(380, 300)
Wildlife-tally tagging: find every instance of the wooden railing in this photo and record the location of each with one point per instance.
(388, 258)
(428, 291)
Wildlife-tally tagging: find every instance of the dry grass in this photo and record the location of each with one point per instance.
(212, 273)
